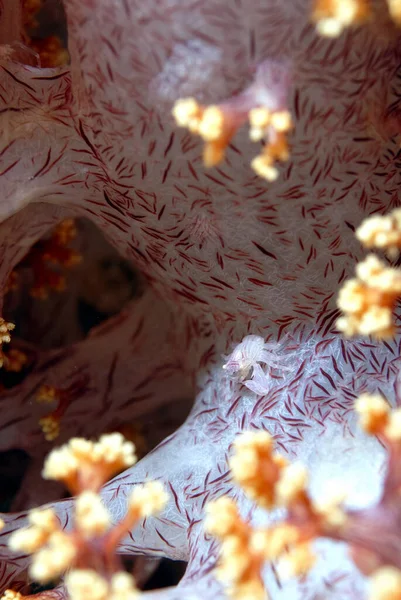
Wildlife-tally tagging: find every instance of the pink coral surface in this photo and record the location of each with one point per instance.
(224, 253)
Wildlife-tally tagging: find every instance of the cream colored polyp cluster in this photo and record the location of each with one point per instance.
(87, 464)
(53, 550)
(93, 540)
(333, 16)
(217, 124)
(267, 479)
(385, 584)
(255, 468)
(5, 338)
(86, 584)
(368, 301)
(377, 418)
(382, 232)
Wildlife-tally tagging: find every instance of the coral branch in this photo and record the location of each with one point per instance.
(263, 103)
(373, 534)
(88, 551)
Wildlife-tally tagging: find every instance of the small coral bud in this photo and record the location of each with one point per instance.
(222, 517)
(394, 7)
(91, 516)
(330, 28)
(352, 297)
(333, 16)
(259, 119)
(329, 506)
(393, 429)
(28, 540)
(236, 558)
(260, 542)
(65, 232)
(373, 412)
(368, 301)
(50, 426)
(385, 584)
(5, 337)
(54, 559)
(187, 113)
(123, 587)
(60, 465)
(47, 394)
(382, 232)
(114, 449)
(250, 590)
(82, 464)
(40, 292)
(377, 321)
(258, 440)
(212, 124)
(5, 329)
(12, 282)
(14, 360)
(86, 584)
(374, 273)
(280, 538)
(11, 595)
(298, 561)
(262, 165)
(45, 519)
(148, 499)
(292, 483)
(213, 153)
(254, 467)
(281, 121)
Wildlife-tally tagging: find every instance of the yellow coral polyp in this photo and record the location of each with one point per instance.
(385, 584)
(377, 418)
(187, 113)
(50, 426)
(47, 394)
(5, 329)
(5, 337)
(255, 468)
(382, 232)
(368, 302)
(394, 7)
(268, 479)
(15, 360)
(92, 540)
(211, 125)
(86, 584)
(147, 499)
(263, 166)
(259, 119)
(12, 595)
(291, 484)
(82, 464)
(298, 561)
(91, 516)
(373, 412)
(54, 559)
(333, 16)
(242, 550)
